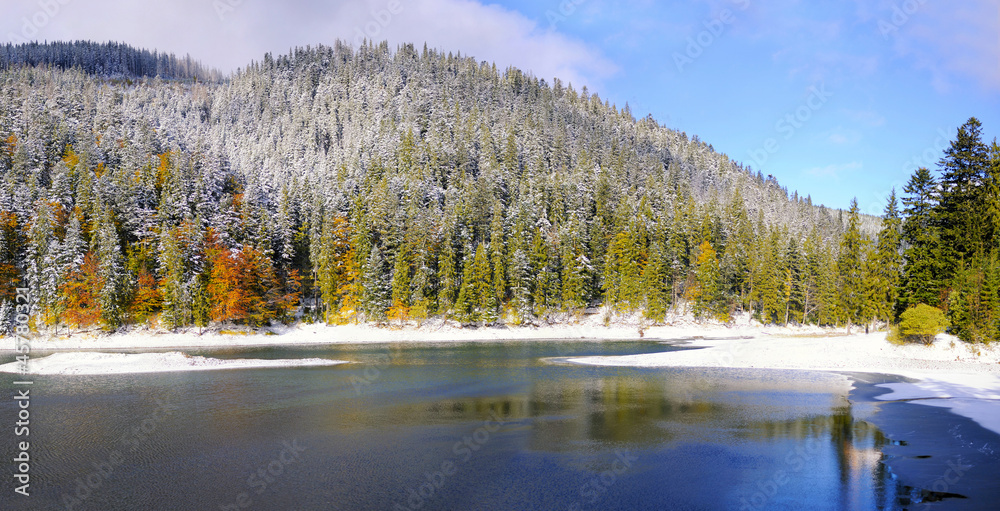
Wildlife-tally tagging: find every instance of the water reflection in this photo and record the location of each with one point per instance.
(696, 439)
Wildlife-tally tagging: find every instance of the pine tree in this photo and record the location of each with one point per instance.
(851, 270)
(448, 272)
(176, 303)
(655, 278)
(477, 298)
(42, 265)
(706, 293)
(961, 215)
(376, 288)
(110, 270)
(498, 258)
(520, 282)
(769, 277)
(793, 283)
(889, 263)
(400, 308)
(577, 270)
(921, 279)
(540, 268)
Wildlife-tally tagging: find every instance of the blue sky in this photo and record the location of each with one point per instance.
(836, 99)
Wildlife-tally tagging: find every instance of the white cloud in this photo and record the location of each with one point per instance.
(833, 171)
(866, 117)
(230, 33)
(953, 41)
(842, 136)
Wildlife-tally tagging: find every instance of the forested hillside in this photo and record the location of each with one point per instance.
(109, 60)
(364, 184)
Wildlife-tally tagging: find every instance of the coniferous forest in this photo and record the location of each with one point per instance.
(341, 184)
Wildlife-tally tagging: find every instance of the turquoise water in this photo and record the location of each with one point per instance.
(491, 426)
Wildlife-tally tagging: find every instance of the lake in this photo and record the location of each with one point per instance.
(485, 426)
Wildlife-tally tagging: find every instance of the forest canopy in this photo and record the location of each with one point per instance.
(346, 184)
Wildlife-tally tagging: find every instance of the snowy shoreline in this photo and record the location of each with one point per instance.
(950, 373)
(436, 331)
(130, 363)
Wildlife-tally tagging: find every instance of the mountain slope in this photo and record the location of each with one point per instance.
(375, 184)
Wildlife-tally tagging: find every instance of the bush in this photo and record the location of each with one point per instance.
(922, 323)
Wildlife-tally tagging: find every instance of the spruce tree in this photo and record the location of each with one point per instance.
(851, 270)
(110, 271)
(889, 267)
(962, 214)
(376, 288)
(921, 279)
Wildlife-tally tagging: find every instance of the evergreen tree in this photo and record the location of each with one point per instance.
(962, 211)
(477, 298)
(888, 269)
(497, 252)
(110, 270)
(851, 270)
(400, 308)
(921, 276)
(376, 288)
(706, 293)
(520, 282)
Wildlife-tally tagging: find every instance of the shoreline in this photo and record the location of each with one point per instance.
(432, 331)
(949, 373)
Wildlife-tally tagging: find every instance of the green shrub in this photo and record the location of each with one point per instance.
(922, 323)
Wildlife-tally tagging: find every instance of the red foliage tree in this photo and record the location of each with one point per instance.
(82, 306)
(244, 288)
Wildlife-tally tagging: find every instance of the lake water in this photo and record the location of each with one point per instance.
(486, 426)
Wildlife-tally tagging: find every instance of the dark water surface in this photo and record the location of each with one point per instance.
(485, 426)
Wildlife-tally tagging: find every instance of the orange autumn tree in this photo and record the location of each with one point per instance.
(243, 287)
(9, 245)
(146, 297)
(82, 306)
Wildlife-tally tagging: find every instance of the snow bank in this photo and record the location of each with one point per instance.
(591, 327)
(952, 374)
(976, 396)
(123, 363)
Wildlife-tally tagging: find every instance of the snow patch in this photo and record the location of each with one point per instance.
(976, 396)
(127, 363)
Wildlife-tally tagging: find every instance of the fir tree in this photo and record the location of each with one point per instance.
(851, 271)
(376, 288)
(921, 276)
(888, 269)
(110, 270)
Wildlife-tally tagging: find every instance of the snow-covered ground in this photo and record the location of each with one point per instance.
(587, 327)
(965, 378)
(122, 363)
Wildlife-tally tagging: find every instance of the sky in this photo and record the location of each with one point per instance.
(837, 100)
